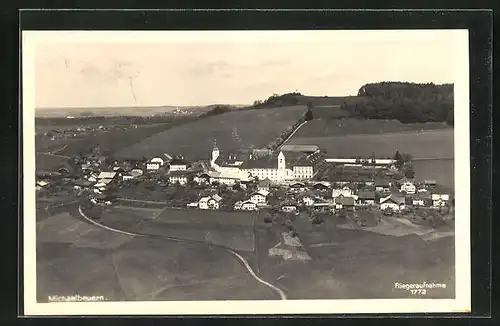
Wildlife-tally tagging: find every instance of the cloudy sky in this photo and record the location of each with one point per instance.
(236, 70)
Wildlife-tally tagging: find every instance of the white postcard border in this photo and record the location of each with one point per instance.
(462, 301)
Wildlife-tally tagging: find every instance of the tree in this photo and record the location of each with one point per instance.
(309, 115)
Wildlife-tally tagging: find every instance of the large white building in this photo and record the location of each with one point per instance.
(277, 167)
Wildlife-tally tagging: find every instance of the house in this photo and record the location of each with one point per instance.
(106, 176)
(127, 176)
(42, 183)
(440, 199)
(228, 177)
(344, 191)
(420, 200)
(103, 200)
(238, 205)
(289, 207)
(264, 184)
(366, 198)
(82, 184)
(408, 188)
(210, 202)
(321, 203)
(179, 177)
(392, 202)
(157, 160)
(136, 172)
(202, 179)
(321, 186)
(344, 202)
(289, 248)
(259, 196)
(382, 186)
(248, 205)
(153, 166)
(178, 164)
(430, 183)
(298, 186)
(306, 199)
(192, 205)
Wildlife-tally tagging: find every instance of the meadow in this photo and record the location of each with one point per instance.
(233, 130)
(48, 163)
(425, 144)
(324, 127)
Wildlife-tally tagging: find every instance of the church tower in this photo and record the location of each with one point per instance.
(215, 152)
(281, 162)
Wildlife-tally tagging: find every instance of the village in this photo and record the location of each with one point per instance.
(292, 179)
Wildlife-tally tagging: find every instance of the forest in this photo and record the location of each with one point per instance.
(406, 102)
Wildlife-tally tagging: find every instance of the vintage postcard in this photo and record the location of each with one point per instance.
(246, 172)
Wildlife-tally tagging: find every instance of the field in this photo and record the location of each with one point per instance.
(440, 170)
(76, 257)
(46, 163)
(342, 127)
(234, 130)
(427, 144)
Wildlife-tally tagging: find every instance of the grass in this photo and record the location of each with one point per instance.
(430, 144)
(342, 127)
(46, 163)
(233, 130)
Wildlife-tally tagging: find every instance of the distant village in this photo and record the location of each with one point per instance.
(290, 179)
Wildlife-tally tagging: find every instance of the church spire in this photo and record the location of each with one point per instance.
(215, 143)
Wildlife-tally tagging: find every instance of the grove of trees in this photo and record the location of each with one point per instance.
(406, 102)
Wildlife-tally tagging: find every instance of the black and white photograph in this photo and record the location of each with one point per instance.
(247, 172)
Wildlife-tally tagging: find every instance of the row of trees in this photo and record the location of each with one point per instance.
(406, 102)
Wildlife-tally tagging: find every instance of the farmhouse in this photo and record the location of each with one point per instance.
(392, 202)
(408, 188)
(306, 149)
(382, 186)
(420, 200)
(264, 184)
(136, 172)
(179, 177)
(321, 186)
(344, 191)
(366, 198)
(259, 196)
(289, 248)
(344, 202)
(298, 186)
(82, 184)
(178, 164)
(440, 199)
(154, 164)
(248, 205)
(289, 207)
(211, 202)
(306, 199)
(228, 177)
(202, 179)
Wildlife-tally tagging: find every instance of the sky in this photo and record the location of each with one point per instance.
(234, 69)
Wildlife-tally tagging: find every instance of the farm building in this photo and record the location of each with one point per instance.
(307, 149)
(82, 184)
(154, 164)
(289, 248)
(421, 200)
(382, 185)
(408, 188)
(344, 191)
(306, 199)
(178, 164)
(289, 207)
(298, 186)
(264, 184)
(211, 202)
(247, 205)
(344, 202)
(366, 198)
(392, 202)
(440, 199)
(106, 176)
(228, 177)
(180, 177)
(321, 186)
(259, 196)
(202, 179)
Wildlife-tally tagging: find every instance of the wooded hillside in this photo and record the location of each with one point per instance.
(406, 102)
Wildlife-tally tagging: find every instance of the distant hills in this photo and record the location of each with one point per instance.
(78, 112)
